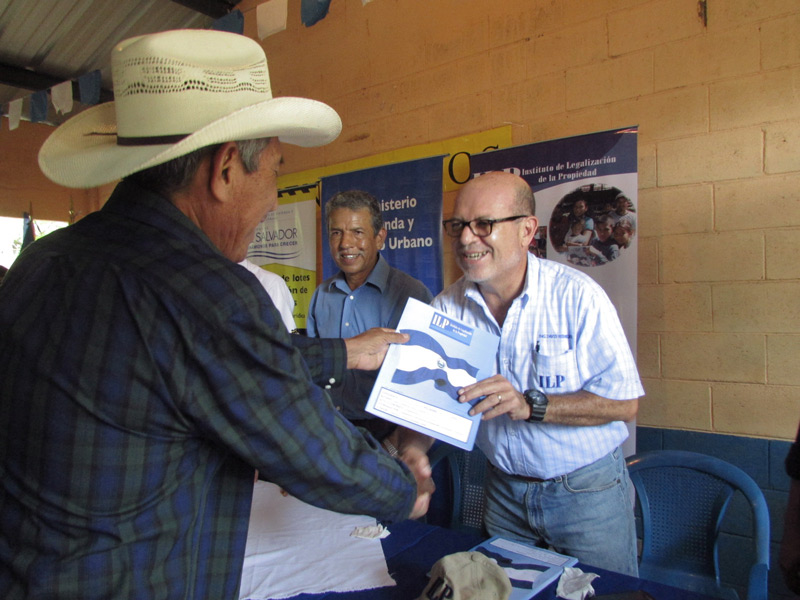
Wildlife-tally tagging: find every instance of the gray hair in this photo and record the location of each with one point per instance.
(356, 200)
(175, 175)
(525, 200)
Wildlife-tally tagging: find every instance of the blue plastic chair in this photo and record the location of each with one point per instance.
(459, 501)
(682, 498)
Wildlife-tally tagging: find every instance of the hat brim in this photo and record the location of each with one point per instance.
(83, 152)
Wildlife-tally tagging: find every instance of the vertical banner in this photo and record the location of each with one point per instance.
(586, 190)
(410, 195)
(286, 243)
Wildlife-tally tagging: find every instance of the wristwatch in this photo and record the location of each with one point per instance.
(538, 403)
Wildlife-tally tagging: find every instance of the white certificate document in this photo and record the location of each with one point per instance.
(418, 383)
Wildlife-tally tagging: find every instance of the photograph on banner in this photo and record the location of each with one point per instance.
(586, 191)
(285, 243)
(410, 197)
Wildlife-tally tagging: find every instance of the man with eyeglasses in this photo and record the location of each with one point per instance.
(554, 414)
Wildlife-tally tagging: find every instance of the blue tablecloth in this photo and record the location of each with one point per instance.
(414, 547)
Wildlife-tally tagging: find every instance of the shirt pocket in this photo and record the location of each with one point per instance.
(557, 374)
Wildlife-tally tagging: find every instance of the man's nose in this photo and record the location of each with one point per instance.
(467, 236)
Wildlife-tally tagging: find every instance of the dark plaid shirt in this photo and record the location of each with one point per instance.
(143, 377)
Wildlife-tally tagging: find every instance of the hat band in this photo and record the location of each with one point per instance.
(150, 141)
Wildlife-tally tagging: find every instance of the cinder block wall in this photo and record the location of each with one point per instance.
(718, 109)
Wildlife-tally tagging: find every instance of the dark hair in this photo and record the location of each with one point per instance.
(605, 219)
(175, 175)
(357, 200)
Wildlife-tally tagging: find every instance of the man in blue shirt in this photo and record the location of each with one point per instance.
(365, 293)
(553, 416)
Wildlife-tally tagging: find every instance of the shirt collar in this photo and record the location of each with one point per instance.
(378, 277)
(531, 276)
(140, 204)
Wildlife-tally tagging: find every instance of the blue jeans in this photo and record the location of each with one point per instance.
(587, 514)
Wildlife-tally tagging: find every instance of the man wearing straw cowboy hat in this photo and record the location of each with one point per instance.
(144, 375)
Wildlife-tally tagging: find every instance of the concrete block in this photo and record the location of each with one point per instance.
(515, 23)
(702, 59)
(394, 53)
(462, 115)
(528, 100)
(647, 166)
(401, 130)
(782, 249)
(558, 14)
(672, 403)
(782, 353)
(764, 307)
(455, 33)
(576, 122)
(756, 410)
(762, 98)
(717, 156)
(734, 256)
(557, 50)
(652, 24)
(759, 203)
(762, 203)
(507, 64)
(673, 307)
(648, 261)
(648, 355)
(780, 44)
(615, 79)
(676, 210)
(667, 115)
(355, 142)
(726, 357)
(782, 147)
(732, 13)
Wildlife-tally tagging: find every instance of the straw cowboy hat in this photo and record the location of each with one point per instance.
(176, 92)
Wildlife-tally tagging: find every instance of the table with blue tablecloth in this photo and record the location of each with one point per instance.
(413, 547)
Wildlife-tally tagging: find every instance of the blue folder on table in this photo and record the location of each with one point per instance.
(530, 569)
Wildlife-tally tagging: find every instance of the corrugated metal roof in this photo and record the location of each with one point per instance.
(60, 40)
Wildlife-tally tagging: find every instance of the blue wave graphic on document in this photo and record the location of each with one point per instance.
(438, 376)
(419, 338)
(417, 364)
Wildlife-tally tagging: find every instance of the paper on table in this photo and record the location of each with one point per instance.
(294, 548)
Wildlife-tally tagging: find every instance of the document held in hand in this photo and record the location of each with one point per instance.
(417, 385)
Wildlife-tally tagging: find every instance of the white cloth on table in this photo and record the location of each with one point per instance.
(293, 548)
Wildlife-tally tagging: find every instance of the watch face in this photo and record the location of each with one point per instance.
(538, 403)
(536, 397)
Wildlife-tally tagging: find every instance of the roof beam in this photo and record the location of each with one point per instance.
(36, 81)
(212, 8)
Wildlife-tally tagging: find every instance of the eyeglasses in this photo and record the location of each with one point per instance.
(480, 227)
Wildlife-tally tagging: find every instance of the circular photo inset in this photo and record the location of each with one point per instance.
(592, 225)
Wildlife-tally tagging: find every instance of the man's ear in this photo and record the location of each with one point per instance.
(223, 171)
(381, 237)
(528, 229)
